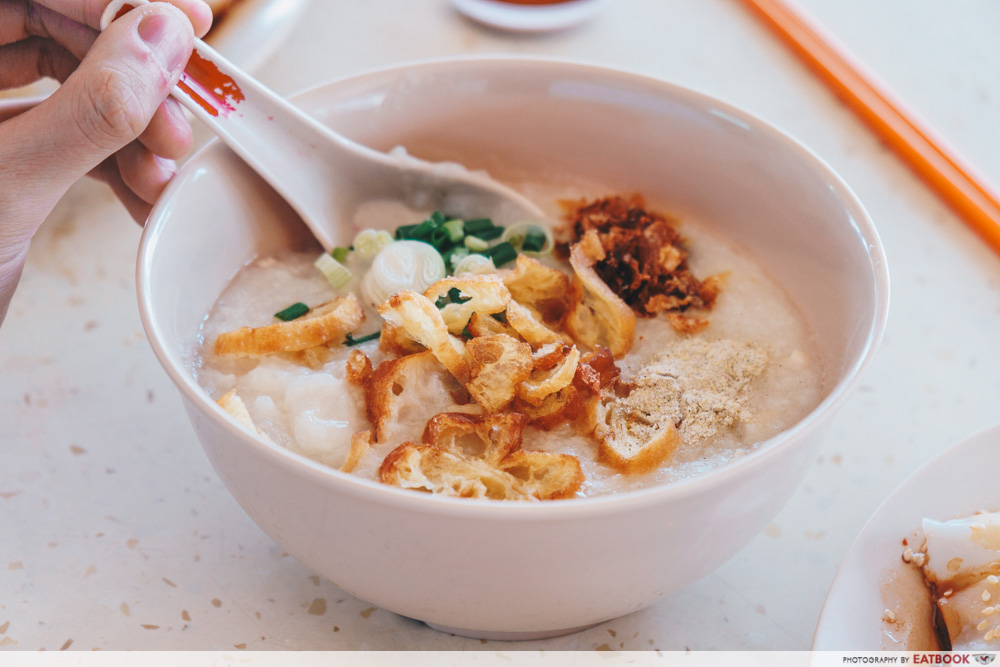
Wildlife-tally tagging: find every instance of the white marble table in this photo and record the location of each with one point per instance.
(115, 533)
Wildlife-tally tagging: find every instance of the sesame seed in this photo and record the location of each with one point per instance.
(988, 611)
(948, 593)
(982, 626)
(986, 596)
(888, 616)
(988, 636)
(992, 579)
(908, 555)
(919, 558)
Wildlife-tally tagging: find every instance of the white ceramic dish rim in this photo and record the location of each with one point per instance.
(944, 459)
(575, 507)
(529, 18)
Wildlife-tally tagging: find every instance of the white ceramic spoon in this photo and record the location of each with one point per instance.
(324, 176)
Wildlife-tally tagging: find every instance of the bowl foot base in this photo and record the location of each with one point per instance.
(508, 636)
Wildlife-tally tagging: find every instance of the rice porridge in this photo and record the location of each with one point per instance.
(712, 382)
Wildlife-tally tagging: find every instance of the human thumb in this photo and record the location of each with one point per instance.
(112, 96)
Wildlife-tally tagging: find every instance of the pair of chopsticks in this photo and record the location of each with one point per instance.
(927, 154)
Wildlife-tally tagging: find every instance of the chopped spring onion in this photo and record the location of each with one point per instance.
(530, 238)
(477, 225)
(405, 231)
(455, 229)
(534, 241)
(475, 264)
(417, 232)
(476, 244)
(350, 340)
(440, 239)
(340, 254)
(293, 312)
(501, 253)
(336, 273)
(423, 231)
(382, 239)
(365, 244)
(488, 234)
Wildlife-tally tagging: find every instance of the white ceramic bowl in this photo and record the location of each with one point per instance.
(512, 570)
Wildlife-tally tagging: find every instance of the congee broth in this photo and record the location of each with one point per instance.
(606, 349)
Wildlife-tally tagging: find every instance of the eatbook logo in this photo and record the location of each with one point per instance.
(984, 658)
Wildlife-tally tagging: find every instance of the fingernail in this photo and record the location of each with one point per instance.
(167, 38)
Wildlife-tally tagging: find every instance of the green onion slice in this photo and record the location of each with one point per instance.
(455, 229)
(293, 312)
(405, 231)
(440, 239)
(336, 273)
(501, 253)
(423, 231)
(382, 239)
(488, 234)
(476, 244)
(530, 238)
(340, 254)
(477, 225)
(350, 340)
(534, 241)
(365, 243)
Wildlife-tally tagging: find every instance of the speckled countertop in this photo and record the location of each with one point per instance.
(115, 532)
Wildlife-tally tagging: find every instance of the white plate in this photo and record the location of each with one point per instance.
(252, 30)
(529, 18)
(958, 482)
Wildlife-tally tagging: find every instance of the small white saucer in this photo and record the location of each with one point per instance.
(529, 18)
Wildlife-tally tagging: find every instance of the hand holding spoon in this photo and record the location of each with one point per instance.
(323, 175)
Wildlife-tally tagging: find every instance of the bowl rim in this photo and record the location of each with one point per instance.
(374, 491)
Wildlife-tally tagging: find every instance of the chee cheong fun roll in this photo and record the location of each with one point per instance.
(961, 565)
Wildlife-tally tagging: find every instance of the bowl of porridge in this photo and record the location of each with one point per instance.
(515, 429)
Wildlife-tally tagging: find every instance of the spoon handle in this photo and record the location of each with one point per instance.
(280, 142)
(323, 175)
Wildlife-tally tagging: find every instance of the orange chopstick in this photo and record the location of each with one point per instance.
(956, 182)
